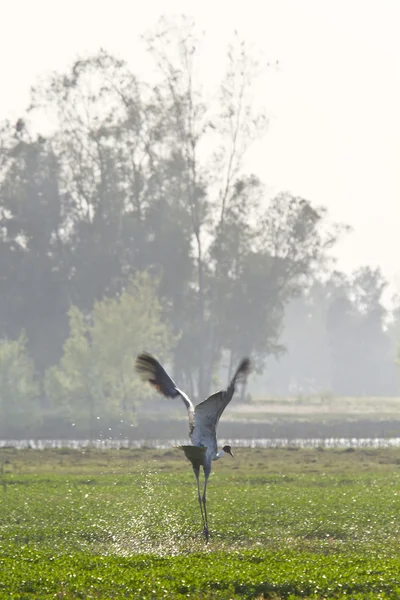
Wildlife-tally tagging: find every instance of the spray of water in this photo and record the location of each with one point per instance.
(155, 525)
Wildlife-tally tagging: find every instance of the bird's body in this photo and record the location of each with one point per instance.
(203, 419)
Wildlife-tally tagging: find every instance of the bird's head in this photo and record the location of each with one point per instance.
(228, 450)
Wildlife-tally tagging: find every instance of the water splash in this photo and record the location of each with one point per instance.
(152, 525)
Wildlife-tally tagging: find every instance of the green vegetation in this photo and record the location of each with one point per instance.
(150, 174)
(284, 524)
(18, 385)
(95, 377)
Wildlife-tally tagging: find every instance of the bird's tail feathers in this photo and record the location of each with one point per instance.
(193, 451)
(195, 454)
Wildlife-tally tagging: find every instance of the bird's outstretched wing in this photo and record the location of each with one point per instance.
(150, 370)
(208, 412)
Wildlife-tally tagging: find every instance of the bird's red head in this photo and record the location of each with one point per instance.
(228, 450)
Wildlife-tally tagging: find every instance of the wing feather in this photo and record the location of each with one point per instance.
(208, 412)
(150, 370)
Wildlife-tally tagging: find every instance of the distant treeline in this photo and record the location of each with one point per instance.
(131, 223)
(340, 339)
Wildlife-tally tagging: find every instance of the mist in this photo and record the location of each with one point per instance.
(131, 220)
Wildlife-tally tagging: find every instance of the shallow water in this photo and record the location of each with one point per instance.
(393, 442)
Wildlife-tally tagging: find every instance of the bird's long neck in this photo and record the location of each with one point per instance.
(220, 454)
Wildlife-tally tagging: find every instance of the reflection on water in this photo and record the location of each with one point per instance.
(105, 444)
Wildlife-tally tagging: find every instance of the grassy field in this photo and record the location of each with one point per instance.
(283, 524)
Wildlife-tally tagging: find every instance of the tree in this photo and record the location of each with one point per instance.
(236, 258)
(120, 169)
(337, 338)
(393, 330)
(95, 377)
(227, 126)
(19, 388)
(152, 176)
(34, 261)
(265, 265)
(378, 374)
(305, 366)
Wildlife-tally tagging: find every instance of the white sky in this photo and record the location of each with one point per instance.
(334, 102)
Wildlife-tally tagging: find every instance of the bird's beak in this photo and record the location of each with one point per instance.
(230, 452)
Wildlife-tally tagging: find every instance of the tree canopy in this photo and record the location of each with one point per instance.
(137, 176)
(95, 377)
(151, 175)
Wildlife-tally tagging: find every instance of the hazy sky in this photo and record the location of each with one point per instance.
(334, 101)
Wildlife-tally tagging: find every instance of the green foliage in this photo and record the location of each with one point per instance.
(337, 338)
(19, 388)
(143, 175)
(95, 376)
(284, 524)
(152, 176)
(33, 264)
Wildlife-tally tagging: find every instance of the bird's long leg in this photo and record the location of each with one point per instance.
(197, 474)
(205, 509)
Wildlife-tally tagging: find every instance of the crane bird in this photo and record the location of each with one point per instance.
(203, 419)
